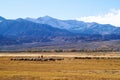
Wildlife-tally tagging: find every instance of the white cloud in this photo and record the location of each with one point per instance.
(113, 17)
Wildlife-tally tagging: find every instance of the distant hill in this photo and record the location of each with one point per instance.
(50, 32)
(26, 32)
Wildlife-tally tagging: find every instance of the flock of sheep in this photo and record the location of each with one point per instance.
(36, 59)
(41, 58)
(96, 57)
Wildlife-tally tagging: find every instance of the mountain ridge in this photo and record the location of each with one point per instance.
(48, 31)
(76, 26)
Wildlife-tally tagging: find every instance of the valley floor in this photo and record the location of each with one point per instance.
(67, 69)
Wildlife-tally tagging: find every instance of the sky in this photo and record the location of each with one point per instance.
(101, 11)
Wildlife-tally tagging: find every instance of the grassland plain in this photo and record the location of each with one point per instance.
(67, 69)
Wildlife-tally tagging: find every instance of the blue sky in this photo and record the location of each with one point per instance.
(62, 9)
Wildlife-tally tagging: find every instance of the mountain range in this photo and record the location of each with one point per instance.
(52, 31)
(77, 26)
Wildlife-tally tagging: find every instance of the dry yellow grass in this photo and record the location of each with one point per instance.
(68, 69)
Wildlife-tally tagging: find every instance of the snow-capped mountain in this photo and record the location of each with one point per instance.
(76, 26)
(54, 31)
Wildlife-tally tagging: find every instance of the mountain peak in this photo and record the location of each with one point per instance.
(45, 17)
(19, 19)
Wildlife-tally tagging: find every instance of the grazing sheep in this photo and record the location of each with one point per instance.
(40, 58)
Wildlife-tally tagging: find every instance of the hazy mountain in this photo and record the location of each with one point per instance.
(48, 31)
(77, 26)
(51, 21)
(21, 27)
(25, 31)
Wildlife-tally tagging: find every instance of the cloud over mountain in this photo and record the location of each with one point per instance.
(112, 17)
